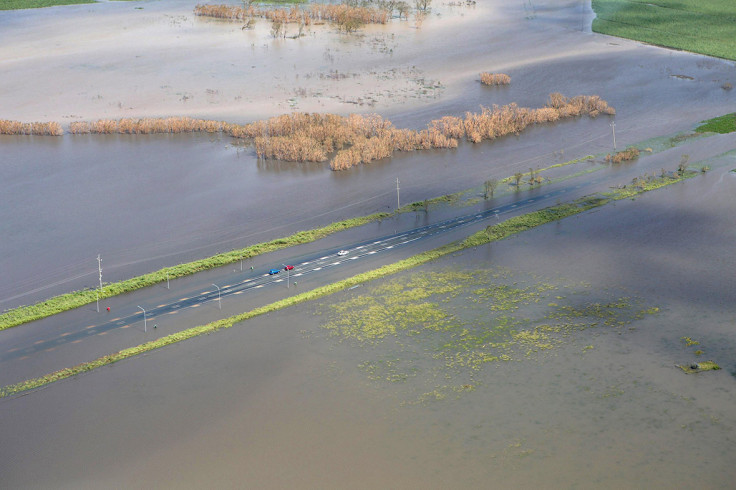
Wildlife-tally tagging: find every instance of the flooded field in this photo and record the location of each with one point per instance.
(148, 202)
(547, 359)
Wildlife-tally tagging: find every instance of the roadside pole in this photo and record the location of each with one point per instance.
(145, 323)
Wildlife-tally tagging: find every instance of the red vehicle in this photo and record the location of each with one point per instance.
(288, 267)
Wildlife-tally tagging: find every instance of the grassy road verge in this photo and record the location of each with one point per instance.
(69, 301)
(490, 234)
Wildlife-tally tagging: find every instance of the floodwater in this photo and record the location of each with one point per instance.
(280, 402)
(148, 202)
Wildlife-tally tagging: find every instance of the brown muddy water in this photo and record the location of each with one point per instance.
(284, 401)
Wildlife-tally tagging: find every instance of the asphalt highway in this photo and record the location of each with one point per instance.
(309, 266)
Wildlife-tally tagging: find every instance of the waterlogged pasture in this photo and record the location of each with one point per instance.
(441, 328)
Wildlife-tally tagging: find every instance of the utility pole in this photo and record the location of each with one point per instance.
(398, 202)
(582, 7)
(99, 268)
(613, 126)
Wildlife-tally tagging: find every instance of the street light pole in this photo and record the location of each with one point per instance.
(219, 300)
(287, 276)
(398, 202)
(613, 127)
(99, 268)
(145, 323)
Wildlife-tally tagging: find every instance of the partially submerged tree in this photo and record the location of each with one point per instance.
(489, 187)
(517, 177)
(422, 5)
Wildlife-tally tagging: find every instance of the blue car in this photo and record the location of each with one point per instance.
(273, 271)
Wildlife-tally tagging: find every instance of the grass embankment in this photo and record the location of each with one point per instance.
(76, 299)
(701, 26)
(493, 233)
(723, 125)
(35, 4)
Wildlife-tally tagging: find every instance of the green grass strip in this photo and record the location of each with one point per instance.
(35, 4)
(69, 301)
(723, 124)
(490, 234)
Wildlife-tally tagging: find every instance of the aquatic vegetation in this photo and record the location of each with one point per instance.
(346, 141)
(341, 14)
(494, 78)
(689, 342)
(148, 125)
(699, 367)
(630, 153)
(33, 128)
(451, 323)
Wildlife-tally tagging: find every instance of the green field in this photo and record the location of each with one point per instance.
(35, 4)
(701, 26)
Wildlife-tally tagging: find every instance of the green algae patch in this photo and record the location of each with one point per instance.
(699, 367)
(689, 342)
(450, 324)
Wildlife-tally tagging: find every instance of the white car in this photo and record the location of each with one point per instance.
(342, 252)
